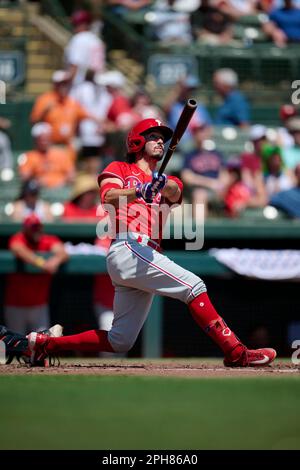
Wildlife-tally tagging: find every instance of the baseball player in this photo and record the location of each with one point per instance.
(136, 265)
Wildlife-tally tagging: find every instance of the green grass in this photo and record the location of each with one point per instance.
(89, 412)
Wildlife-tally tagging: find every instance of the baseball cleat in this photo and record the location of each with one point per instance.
(55, 331)
(37, 343)
(252, 358)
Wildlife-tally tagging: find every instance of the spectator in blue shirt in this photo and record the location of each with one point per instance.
(182, 91)
(203, 170)
(235, 109)
(291, 155)
(289, 201)
(283, 25)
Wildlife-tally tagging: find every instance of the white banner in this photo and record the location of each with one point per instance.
(260, 264)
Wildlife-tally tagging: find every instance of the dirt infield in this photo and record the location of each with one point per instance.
(162, 368)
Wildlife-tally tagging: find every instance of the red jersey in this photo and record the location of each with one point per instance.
(139, 216)
(72, 211)
(26, 289)
(252, 162)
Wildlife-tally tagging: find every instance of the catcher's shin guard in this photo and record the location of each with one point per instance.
(16, 346)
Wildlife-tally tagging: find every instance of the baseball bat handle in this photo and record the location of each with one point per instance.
(183, 122)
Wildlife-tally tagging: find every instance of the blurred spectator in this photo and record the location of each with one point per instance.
(235, 109)
(143, 108)
(291, 155)
(266, 5)
(251, 166)
(237, 196)
(289, 201)
(180, 94)
(236, 8)
(210, 25)
(96, 101)
(29, 202)
(85, 51)
(170, 22)
(84, 199)
(90, 160)
(123, 112)
(6, 158)
(119, 113)
(280, 3)
(122, 7)
(203, 171)
(59, 109)
(276, 177)
(27, 295)
(50, 165)
(283, 25)
(284, 137)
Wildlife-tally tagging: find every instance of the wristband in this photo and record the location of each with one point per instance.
(105, 188)
(138, 190)
(39, 261)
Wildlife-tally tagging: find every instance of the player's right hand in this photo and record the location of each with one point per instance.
(159, 181)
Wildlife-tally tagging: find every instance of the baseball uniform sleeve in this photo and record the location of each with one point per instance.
(113, 170)
(18, 238)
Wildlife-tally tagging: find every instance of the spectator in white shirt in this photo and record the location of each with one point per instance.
(6, 158)
(85, 51)
(96, 100)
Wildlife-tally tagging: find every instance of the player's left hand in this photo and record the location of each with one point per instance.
(148, 191)
(158, 181)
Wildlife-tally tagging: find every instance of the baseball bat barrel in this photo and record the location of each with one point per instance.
(183, 122)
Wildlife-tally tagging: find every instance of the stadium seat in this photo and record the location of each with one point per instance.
(56, 194)
(230, 141)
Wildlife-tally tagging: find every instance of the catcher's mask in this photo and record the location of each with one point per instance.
(135, 141)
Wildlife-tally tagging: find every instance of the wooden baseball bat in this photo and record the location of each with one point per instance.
(183, 122)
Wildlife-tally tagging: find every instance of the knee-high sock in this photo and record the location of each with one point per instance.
(210, 321)
(88, 341)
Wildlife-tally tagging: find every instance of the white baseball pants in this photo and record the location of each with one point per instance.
(138, 272)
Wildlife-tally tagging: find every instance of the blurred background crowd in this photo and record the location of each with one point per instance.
(228, 159)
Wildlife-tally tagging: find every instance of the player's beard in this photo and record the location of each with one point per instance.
(160, 156)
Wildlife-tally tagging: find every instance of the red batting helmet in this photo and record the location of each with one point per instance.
(135, 138)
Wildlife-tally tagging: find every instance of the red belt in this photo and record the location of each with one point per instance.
(148, 242)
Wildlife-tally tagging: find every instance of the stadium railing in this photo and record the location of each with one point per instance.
(249, 227)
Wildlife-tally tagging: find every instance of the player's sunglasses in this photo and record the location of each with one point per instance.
(153, 136)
